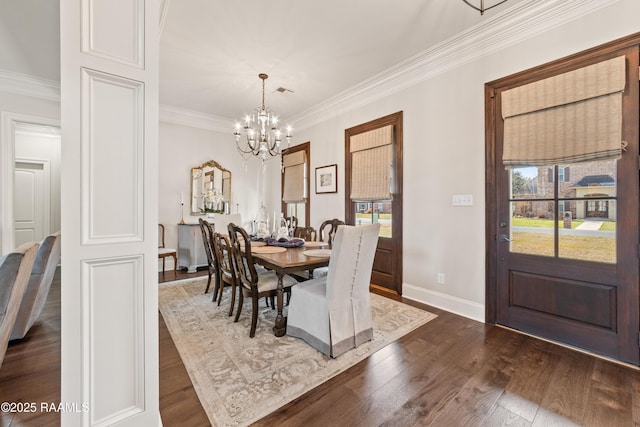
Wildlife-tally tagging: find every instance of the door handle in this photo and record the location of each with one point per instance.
(503, 238)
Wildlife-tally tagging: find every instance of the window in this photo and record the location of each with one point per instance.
(576, 221)
(561, 207)
(300, 207)
(375, 212)
(563, 174)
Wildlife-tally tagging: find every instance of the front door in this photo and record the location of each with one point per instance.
(553, 270)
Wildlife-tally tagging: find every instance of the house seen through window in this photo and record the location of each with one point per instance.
(566, 212)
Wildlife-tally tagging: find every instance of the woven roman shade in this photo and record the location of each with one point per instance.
(294, 182)
(371, 160)
(571, 117)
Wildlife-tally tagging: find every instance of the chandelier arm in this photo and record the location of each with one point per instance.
(482, 9)
(274, 151)
(247, 150)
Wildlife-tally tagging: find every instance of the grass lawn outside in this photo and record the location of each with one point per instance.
(588, 248)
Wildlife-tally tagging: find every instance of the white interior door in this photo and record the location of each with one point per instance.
(32, 201)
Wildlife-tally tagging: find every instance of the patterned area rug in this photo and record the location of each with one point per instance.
(240, 380)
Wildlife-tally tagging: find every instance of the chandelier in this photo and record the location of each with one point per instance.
(262, 132)
(482, 9)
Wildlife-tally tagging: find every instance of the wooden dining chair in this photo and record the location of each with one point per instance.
(307, 233)
(207, 229)
(328, 229)
(333, 313)
(226, 270)
(164, 252)
(254, 285)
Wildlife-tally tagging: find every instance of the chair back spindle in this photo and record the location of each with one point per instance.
(328, 229)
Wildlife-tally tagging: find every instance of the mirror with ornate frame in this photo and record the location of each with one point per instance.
(210, 188)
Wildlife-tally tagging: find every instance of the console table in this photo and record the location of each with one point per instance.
(191, 254)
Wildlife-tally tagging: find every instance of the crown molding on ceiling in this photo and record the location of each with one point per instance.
(513, 25)
(24, 84)
(195, 119)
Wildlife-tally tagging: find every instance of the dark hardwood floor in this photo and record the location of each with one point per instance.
(450, 372)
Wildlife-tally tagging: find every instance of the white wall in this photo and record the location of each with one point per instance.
(21, 104)
(183, 147)
(444, 155)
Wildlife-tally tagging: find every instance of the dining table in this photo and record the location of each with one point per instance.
(290, 261)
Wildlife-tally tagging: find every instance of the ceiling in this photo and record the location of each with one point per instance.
(211, 51)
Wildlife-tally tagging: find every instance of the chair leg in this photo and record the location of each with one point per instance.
(254, 317)
(208, 283)
(221, 291)
(240, 302)
(217, 287)
(233, 298)
(163, 258)
(175, 263)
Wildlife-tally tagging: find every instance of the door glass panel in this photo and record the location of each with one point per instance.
(581, 196)
(534, 234)
(530, 183)
(587, 209)
(591, 238)
(375, 212)
(298, 210)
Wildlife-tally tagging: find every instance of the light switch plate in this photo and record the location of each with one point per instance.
(462, 200)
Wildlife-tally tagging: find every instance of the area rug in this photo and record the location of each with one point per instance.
(240, 379)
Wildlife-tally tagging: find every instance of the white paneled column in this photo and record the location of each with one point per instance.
(109, 81)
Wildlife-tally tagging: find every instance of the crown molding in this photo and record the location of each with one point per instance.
(195, 119)
(24, 84)
(520, 22)
(513, 25)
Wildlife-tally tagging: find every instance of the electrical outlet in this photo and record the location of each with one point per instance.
(441, 278)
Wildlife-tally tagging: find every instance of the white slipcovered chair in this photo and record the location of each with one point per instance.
(35, 296)
(333, 313)
(15, 270)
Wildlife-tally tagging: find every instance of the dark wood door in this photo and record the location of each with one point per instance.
(387, 265)
(548, 273)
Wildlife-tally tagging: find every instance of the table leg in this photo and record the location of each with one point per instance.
(280, 328)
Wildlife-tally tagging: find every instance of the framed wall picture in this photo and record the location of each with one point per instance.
(327, 179)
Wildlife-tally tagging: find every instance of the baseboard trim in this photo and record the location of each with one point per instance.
(469, 309)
